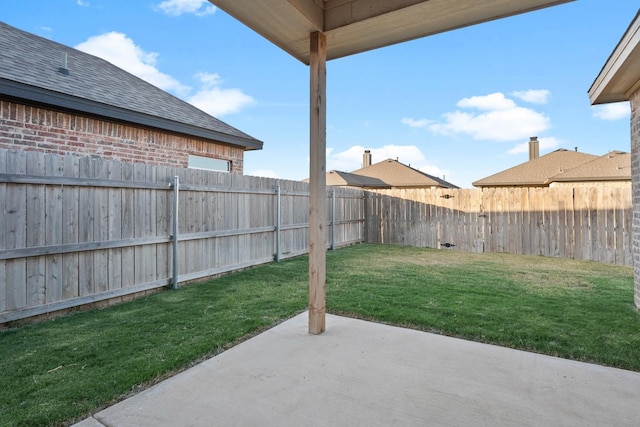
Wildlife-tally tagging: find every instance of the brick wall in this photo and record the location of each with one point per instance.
(635, 178)
(41, 129)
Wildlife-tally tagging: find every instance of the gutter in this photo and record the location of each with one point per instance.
(23, 92)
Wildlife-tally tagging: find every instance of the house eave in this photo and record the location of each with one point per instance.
(510, 184)
(41, 96)
(591, 179)
(620, 75)
(354, 26)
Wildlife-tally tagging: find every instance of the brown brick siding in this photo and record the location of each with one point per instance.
(635, 178)
(40, 129)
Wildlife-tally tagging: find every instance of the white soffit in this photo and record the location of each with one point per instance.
(620, 76)
(353, 26)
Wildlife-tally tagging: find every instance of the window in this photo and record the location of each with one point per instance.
(207, 163)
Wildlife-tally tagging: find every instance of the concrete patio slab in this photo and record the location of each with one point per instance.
(366, 374)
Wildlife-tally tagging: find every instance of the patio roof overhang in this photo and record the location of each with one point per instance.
(353, 26)
(314, 31)
(620, 76)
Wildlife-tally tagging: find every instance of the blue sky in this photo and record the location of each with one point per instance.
(460, 105)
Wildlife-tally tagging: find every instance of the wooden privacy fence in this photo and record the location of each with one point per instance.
(586, 223)
(77, 230)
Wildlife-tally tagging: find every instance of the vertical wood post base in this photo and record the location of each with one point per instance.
(316, 321)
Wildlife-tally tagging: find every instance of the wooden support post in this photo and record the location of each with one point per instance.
(317, 184)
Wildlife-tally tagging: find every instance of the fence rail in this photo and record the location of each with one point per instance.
(78, 230)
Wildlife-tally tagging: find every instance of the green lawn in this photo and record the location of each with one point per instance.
(61, 370)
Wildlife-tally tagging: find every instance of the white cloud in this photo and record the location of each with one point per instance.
(179, 7)
(545, 144)
(82, 3)
(351, 158)
(346, 161)
(215, 100)
(500, 119)
(616, 111)
(121, 51)
(209, 79)
(492, 102)
(420, 123)
(535, 96)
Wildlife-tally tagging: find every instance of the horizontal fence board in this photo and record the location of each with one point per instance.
(79, 247)
(79, 181)
(79, 301)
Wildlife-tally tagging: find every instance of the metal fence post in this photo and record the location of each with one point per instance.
(333, 218)
(176, 185)
(278, 220)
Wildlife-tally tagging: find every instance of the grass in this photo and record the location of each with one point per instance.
(572, 309)
(59, 371)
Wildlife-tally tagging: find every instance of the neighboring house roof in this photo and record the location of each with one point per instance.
(31, 69)
(397, 174)
(537, 172)
(352, 180)
(613, 166)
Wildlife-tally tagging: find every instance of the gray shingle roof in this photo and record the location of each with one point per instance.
(30, 69)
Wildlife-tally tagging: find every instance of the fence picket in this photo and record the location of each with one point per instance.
(127, 226)
(70, 218)
(54, 167)
(35, 230)
(114, 227)
(86, 220)
(16, 233)
(101, 227)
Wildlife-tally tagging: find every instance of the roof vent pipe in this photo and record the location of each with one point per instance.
(534, 148)
(366, 159)
(63, 69)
